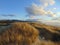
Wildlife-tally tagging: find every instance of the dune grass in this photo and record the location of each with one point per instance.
(23, 33)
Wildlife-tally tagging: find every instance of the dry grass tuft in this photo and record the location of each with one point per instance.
(44, 42)
(19, 34)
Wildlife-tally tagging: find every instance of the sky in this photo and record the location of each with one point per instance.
(29, 9)
(14, 7)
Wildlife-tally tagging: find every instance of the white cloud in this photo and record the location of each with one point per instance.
(34, 10)
(50, 13)
(52, 22)
(47, 2)
(58, 13)
(40, 10)
(54, 8)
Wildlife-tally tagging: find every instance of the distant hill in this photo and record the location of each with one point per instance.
(16, 32)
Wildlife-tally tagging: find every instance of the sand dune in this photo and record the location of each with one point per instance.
(27, 33)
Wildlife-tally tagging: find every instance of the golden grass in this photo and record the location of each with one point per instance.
(23, 33)
(19, 34)
(48, 27)
(44, 42)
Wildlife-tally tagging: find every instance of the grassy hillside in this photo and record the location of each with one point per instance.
(28, 33)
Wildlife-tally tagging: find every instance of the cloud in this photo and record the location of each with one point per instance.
(57, 18)
(58, 13)
(40, 10)
(10, 15)
(35, 10)
(47, 2)
(54, 8)
(51, 14)
(55, 23)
